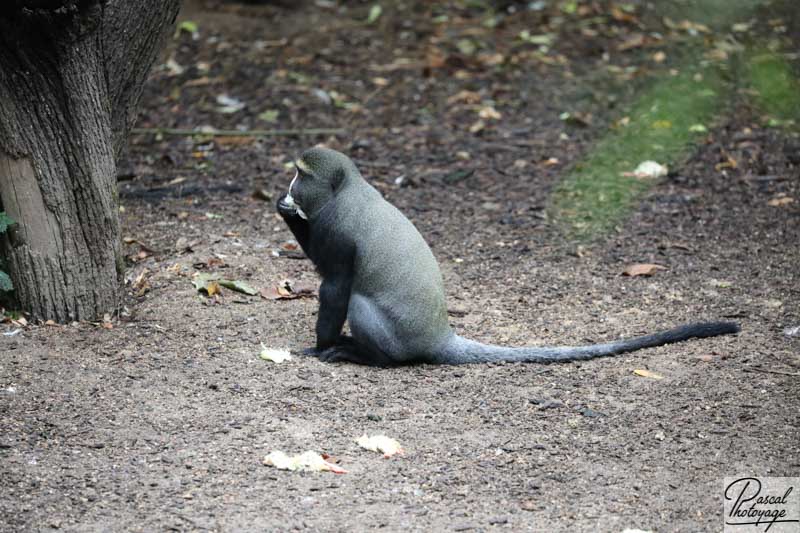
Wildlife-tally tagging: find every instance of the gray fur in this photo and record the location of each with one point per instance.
(379, 274)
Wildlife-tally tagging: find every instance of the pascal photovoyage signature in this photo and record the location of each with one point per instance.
(751, 507)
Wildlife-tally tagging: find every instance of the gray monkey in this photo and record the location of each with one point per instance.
(379, 273)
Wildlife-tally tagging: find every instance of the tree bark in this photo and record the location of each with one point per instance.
(71, 74)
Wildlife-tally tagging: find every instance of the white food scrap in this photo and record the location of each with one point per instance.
(274, 355)
(380, 443)
(648, 169)
(305, 462)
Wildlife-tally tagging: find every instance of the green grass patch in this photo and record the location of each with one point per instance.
(777, 91)
(663, 123)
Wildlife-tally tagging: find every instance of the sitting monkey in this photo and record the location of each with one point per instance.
(379, 273)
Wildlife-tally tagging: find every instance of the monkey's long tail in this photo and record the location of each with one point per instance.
(459, 351)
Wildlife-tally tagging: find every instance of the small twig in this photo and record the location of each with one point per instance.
(237, 133)
(754, 369)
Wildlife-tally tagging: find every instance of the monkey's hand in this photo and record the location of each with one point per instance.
(286, 209)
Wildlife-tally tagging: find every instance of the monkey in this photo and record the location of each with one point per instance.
(379, 274)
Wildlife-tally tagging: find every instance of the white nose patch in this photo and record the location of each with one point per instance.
(290, 200)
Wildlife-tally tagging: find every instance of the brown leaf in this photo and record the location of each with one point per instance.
(212, 262)
(286, 290)
(140, 284)
(728, 163)
(642, 269)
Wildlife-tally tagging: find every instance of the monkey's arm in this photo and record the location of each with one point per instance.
(298, 226)
(334, 299)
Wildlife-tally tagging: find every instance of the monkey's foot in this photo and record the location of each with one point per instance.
(338, 354)
(345, 342)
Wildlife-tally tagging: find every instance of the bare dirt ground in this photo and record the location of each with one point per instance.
(161, 420)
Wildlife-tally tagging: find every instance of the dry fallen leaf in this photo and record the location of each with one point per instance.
(305, 462)
(634, 40)
(287, 290)
(380, 443)
(210, 284)
(781, 200)
(647, 374)
(477, 127)
(467, 97)
(140, 284)
(175, 268)
(491, 60)
(642, 269)
(729, 162)
(489, 113)
(238, 286)
(623, 16)
(212, 288)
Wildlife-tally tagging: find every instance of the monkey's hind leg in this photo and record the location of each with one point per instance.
(373, 333)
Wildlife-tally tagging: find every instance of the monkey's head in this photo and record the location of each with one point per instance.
(321, 173)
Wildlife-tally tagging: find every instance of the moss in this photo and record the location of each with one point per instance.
(664, 123)
(777, 91)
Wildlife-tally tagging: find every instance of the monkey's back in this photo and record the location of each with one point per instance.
(395, 268)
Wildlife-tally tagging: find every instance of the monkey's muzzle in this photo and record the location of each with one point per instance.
(289, 202)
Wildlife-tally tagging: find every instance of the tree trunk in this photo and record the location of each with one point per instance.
(71, 73)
